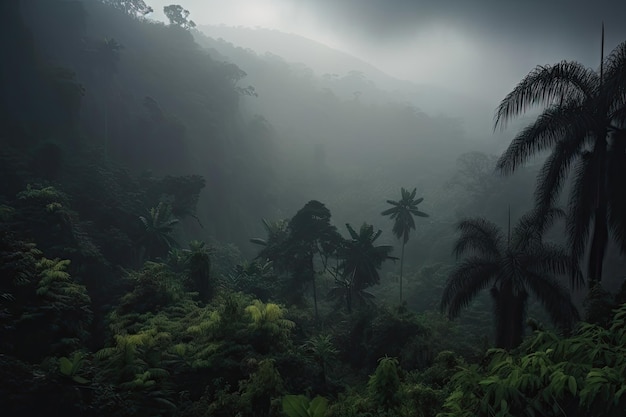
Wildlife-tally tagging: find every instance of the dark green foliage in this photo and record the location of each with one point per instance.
(54, 315)
(384, 385)
(154, 286)
(551, 376)
(513, 267)
(308, 235)
(256, 278)
(301, 406)
(158, 226)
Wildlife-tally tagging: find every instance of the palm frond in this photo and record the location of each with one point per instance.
(555, 170)
(583, 199)
(554, 298)
(470, 277)
(557, 123)
(479, 235)
(532, 225)
(554, 259)
(547, 85)
(615, 73)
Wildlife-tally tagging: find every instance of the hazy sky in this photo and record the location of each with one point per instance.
(479, 47)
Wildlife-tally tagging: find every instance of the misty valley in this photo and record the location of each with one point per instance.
(219, 220)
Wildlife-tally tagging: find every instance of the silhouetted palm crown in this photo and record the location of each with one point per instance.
(361, 259)
(402, 213)
(514, 267)
(582, 122)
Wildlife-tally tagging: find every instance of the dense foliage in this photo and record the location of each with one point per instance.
(137, 164)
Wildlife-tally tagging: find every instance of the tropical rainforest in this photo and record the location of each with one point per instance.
(190, 228)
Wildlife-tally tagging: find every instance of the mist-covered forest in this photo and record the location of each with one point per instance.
(190, 227)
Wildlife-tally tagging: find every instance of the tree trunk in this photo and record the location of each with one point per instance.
(401, 266)
(600, 232)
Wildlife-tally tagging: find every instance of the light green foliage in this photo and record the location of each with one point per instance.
(269, 330)
(50, 272)
(301, 406)
(384, 385)
(552, 376)
(72, 368)
(64, 304)
(268, 316)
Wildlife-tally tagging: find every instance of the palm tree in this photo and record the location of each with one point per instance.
(582, 122)
(198, 265)
(274, 244)
(359, 262)
(157, 233)
(515, 266)
(402, 214)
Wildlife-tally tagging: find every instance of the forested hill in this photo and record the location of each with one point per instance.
(149, 99)
(155, 101)
(332, 64)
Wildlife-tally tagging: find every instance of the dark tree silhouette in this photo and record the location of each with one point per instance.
(158, 225)
(310, 235)
(136, 8)
(402, 214)
(514, 266)
(178, 16)
(359, 263)
(582, 122)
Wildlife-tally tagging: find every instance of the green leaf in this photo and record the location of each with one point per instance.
(80, 380)
(296, 405)
(571, 384)
(318, 406)
(65, 366)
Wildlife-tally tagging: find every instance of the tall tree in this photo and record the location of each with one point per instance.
(178, 16)
(402, 214)
(310, 235)
(136, 8)
(359, 262)
(514, 265)
(582, 122)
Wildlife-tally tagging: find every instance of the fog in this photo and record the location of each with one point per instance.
(479, 48)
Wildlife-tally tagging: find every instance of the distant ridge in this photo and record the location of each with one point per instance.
(324, 60)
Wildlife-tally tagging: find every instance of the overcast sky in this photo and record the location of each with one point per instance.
(479, 47)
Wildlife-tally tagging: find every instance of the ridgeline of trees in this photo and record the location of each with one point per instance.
(136, 171)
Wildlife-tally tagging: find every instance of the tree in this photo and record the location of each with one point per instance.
(274, 244)
(582, 121)
(178, 16)
(158, 225)
(310, 235)
(198, 266)
(402, 214)
(134, 8)
(514, 266)
(359, 262)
